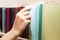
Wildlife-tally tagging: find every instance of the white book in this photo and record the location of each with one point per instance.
(3, 20)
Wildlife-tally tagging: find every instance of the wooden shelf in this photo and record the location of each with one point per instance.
(15, 3)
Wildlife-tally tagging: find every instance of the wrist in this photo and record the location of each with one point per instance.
(15, 32)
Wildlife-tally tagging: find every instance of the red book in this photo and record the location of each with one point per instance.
(7, 19)
(19, 8)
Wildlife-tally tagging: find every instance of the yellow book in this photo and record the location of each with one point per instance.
(51, 22)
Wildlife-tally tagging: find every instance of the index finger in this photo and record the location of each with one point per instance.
(25, 9)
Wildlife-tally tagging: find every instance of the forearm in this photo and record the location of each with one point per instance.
(18, 38)
(11, 35)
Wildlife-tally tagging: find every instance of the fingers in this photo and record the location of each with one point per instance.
(28, 21)
(26, 13)
(20, 38)
(28, 17)
(25, 9)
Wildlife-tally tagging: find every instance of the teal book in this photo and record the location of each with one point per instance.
(39, 24)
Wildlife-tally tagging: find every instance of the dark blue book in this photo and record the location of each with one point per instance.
(11, 18)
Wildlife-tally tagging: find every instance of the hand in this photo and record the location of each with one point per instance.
(22, 19)
(20, 38)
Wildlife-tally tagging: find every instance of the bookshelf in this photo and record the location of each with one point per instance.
(16, 3)
(7, 17)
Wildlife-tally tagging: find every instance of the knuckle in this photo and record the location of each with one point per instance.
(17, 14)
(27, 12)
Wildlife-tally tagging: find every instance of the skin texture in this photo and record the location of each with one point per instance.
(22, 19)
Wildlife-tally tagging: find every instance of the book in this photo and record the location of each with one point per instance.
(7, 19)
(0, 19)
(51, 21)
(3, 20)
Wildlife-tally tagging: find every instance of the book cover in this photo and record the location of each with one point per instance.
(51, 21)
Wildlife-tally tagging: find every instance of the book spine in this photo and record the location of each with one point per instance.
(40, 23)
(3, 20)
(11, 18)
(7, 19)
(19, 8)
